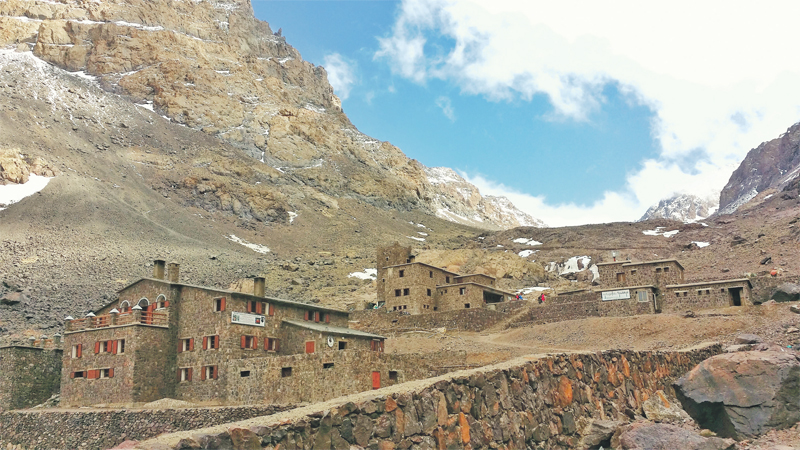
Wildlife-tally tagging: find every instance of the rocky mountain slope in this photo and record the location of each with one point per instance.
(211, 66)
(683, 208)
(773, 164)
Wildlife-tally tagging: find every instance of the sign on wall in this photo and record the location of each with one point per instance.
(241, 318)
(621, 294)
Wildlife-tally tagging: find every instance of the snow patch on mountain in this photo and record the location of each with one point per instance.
(686, 208)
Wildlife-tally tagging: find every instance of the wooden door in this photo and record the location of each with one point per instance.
(376, 380)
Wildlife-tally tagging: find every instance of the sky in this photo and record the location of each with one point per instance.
(577, 111)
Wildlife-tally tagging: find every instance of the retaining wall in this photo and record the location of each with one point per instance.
(58, 429)
(538, 403)
(580, 306)
(473, 319)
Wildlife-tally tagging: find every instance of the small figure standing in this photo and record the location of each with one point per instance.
(541, 298)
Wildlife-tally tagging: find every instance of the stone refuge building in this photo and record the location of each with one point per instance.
(30, 373)
(405, 285)
(163, 338)
(662, 283)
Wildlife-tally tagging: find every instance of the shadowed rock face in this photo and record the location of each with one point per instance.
(660, 436)
(743, 394)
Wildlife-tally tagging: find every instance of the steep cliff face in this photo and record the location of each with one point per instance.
(683, 207)
(773, 164)
(213, 67)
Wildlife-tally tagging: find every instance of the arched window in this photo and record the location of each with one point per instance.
(143, 303)
(125, 307)
(161, 301)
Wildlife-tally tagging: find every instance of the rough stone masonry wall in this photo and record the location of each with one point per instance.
(28, 376)
(473, 319)
(91, 430)
(581, 306)
(524, 403)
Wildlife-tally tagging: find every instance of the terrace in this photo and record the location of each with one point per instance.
(150, 318)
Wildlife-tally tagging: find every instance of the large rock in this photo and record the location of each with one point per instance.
(659, 408)
(597, 432)
(787, 292)
(662, 436)
(743, 394)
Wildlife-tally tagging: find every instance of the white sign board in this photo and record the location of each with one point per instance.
(621, 294)
(256, 320)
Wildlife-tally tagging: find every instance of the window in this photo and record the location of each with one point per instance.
(105, 347)
(125, 307)
(185, 374)
(210, 342)
(466, 305)
(80, 374)
(93, 374)
(392, 375)
(708, 292)
(429, 292)
(685, 293)
(271, 344)
(447, 279)
(397, 292)
(621, 277)
(77, 351)
(219, 304)
(430, 274)
(120, 347)
(666, 269)
(435, 308)
(161, 302)
(287, 371)
(310, 347)
(256, 307)
(327, 365)
(186, 345)
(249, 343)
(376, 345)
(406, 291)
(106, 373)
(402, 273)
(462, 291)
(342, 345)
(633, 271)
(209, 373)
(699, 292)
(677, 294)
(722, 290)
(658, 269)
(244, 373)
(408, 260)
(642, 296)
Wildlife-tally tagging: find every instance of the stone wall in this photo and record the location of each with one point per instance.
(580, 306)
(764, 286)
(28, 376)
(380, 321)
(458, 296)
(90, 430)
(532, 402)
(713, 295)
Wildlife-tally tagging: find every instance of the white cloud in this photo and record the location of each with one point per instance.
(446, 107)
(341, 74)
(719, 75)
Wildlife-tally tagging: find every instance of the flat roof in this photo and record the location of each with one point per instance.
(650, 286)
(707, 283)
(609, 263)
(225, 291)
(476, 284)
(476, 275)
(657, 261)
(325, 328)
(424, 264)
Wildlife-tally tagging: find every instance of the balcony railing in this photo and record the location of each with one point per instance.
(155, 318)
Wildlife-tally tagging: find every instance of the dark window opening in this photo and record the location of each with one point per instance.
(402, 273)
(447, 280)
(327, 365)
(406, 291)
(686, 293)
(429, 292)
(80, 374)
(435, 308)
(397, 292)
(392, 375)
(466, 305)
(408, 260)
(462, 291)
(244, 373)
(430, 274)
(286, 372)
(658, 269)
(219, 304)
(342, 345)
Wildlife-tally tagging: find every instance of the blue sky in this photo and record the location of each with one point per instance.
(576, 118)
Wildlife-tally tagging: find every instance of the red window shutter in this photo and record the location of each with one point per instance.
(316, 316)
(114, 347)
(179, 374)
(80, 350)
(381, 346)
(277, 344)
(90, 374)
(244, 341)
(191, 344)
(202, 374)
(97, 347)
(266, 343)
(180, 346)
(259, 308)
(205, 342)
(72, 375)
(249, 307)
(111, 373)
(372, 345)
(327, 318)
(216, 341)
(305, 317)
(271, 309)
(222, 304)
(216, 374)
(166, 304)
(255, 343)
(310, 347)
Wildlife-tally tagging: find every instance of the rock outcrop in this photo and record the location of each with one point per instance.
(682, 207)
(774, 163)
(786, 292)
(662, 436)
(743, 394)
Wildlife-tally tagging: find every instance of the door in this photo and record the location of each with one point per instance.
(376, 380)
(736, 296)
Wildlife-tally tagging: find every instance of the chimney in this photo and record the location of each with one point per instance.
(258, 286)
(174, 272)
(158, 269)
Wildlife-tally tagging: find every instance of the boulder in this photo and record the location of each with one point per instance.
(597, 433)
(743, 394)
(748, 339)
(659, 408)
(786, 292)
(662, 436)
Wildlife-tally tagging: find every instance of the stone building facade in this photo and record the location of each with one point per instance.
(412, 287)
(708, 294)
(29, 374)
(163, 338)
(627, 273)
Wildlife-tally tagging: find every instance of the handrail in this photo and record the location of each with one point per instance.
(155, 318)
